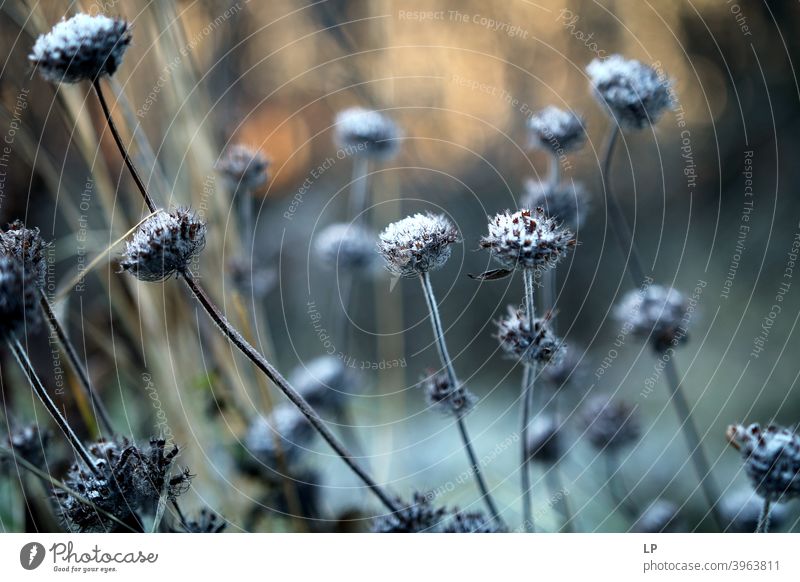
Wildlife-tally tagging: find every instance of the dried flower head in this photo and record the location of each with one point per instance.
(527, 239)
(446, 398)
(417, 244)
(30, 443)
(243, 167)
(251, 276)
(81, 48)
(26, 246)
(661, 516)
(741, 510)
(366, 132)
(566, 370)
(206, 522)
(610, 424)
(568, 202)
(635, 94)
(470, 522)
(19, 297)
(130, 480)
(164, 244)
(537, 345)
(347, 246)
(545, 439)
(325, 383)
(285, 432)
(420, 516)
(771, 459)
(556, 130)
(656, 313)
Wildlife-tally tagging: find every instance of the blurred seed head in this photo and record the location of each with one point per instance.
(441, 395)
(564, 371)
(164, 244)
(656, 313)
(349, 247)
(81, 48)
(470, 522)
(26, 246)
(206, 522)
(568, 203)
(545, 439)
(366, 132)
(420, 516)
(741, 511)
(661, 516)
(243, 167)
(417, 244)
(771, 459)
(527, 239)
(556, 130)
(251, 276)
(325, 383)
(610, 424)
(284, 432)
(533, 345)
(19, 298)
(30, 443)
(633, 92)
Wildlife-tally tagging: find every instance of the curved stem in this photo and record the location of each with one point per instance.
(262, 364)
(40, 391)
(122, 150)
(77, 366)
(763, 520)
(447, 362)
(619, 224)
(696, 452)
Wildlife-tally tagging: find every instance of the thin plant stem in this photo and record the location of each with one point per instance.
(556, 485)
(40, 391)
(244, 202)
(122, 150)
(763, 519)
(358, 187)
(447, 362)
(77, 366)
(554, 176)
(616, 485)
(262, 364)
(526, 396)
(696, 452)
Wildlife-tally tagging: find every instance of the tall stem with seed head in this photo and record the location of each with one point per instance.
(447, 363)
(763, 519)
(526, 396)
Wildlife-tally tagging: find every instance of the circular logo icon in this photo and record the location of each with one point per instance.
(31, 555)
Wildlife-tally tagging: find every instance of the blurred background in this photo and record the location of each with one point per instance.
(461, 80)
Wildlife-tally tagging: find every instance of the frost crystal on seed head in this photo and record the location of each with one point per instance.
(367, 132)
(81, 48)
(244, 167)
(444, 397)
(741, 511)
(19, 297)
(536, 345)
(26, 245)
(610, 424)
(349, 246)
(164, 244)
(657, 313)
(771, 459)
(527, 239)
(417, 244)
(556, 130)
(568, 202)
(634, 93)
(420, 516)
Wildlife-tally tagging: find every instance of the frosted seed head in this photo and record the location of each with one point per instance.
(348, 246)
(610, 424)
(533, 345)
(656, 313)
(661, 516)
(568, 203)
(441, 395)
(244, 167)
(417, 244)
(771, 459)
(556, 130)
(366, 132)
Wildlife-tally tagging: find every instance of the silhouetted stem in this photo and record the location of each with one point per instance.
(358, 187)
(763, 519)
(447, 362)
(526, 396)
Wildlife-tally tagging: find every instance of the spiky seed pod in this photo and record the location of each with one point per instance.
(566, 370)
(568, 203)
(286, 428)
(470, 522)
(545, 439)
(741, 511)
(81, 48)
(417, 244)
(30, 443)
(152, 474)
(655, 313)
(527, 239)
(633, 92)
(19, 298)
(446, 398)
(347, 246)
(771, 459)
(556, 130)
(243, 167)
(661, 516)
(366, 132)
(610, 424)
(206, 522)
(325, 383)
(417, 517)
(537, 345)
(164, 244)
(26, 245)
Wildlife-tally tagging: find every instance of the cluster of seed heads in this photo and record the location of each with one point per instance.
(417, 244)
(244, 167)
(82, 48)
(420, 516)
(656, 313)
(771, 459)
(556, 130)
(610, 424)
(441, 395)
(533, 345)
(366, 132)
(527, 239)
(566, 202)
(164, 244)
(349, 247)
